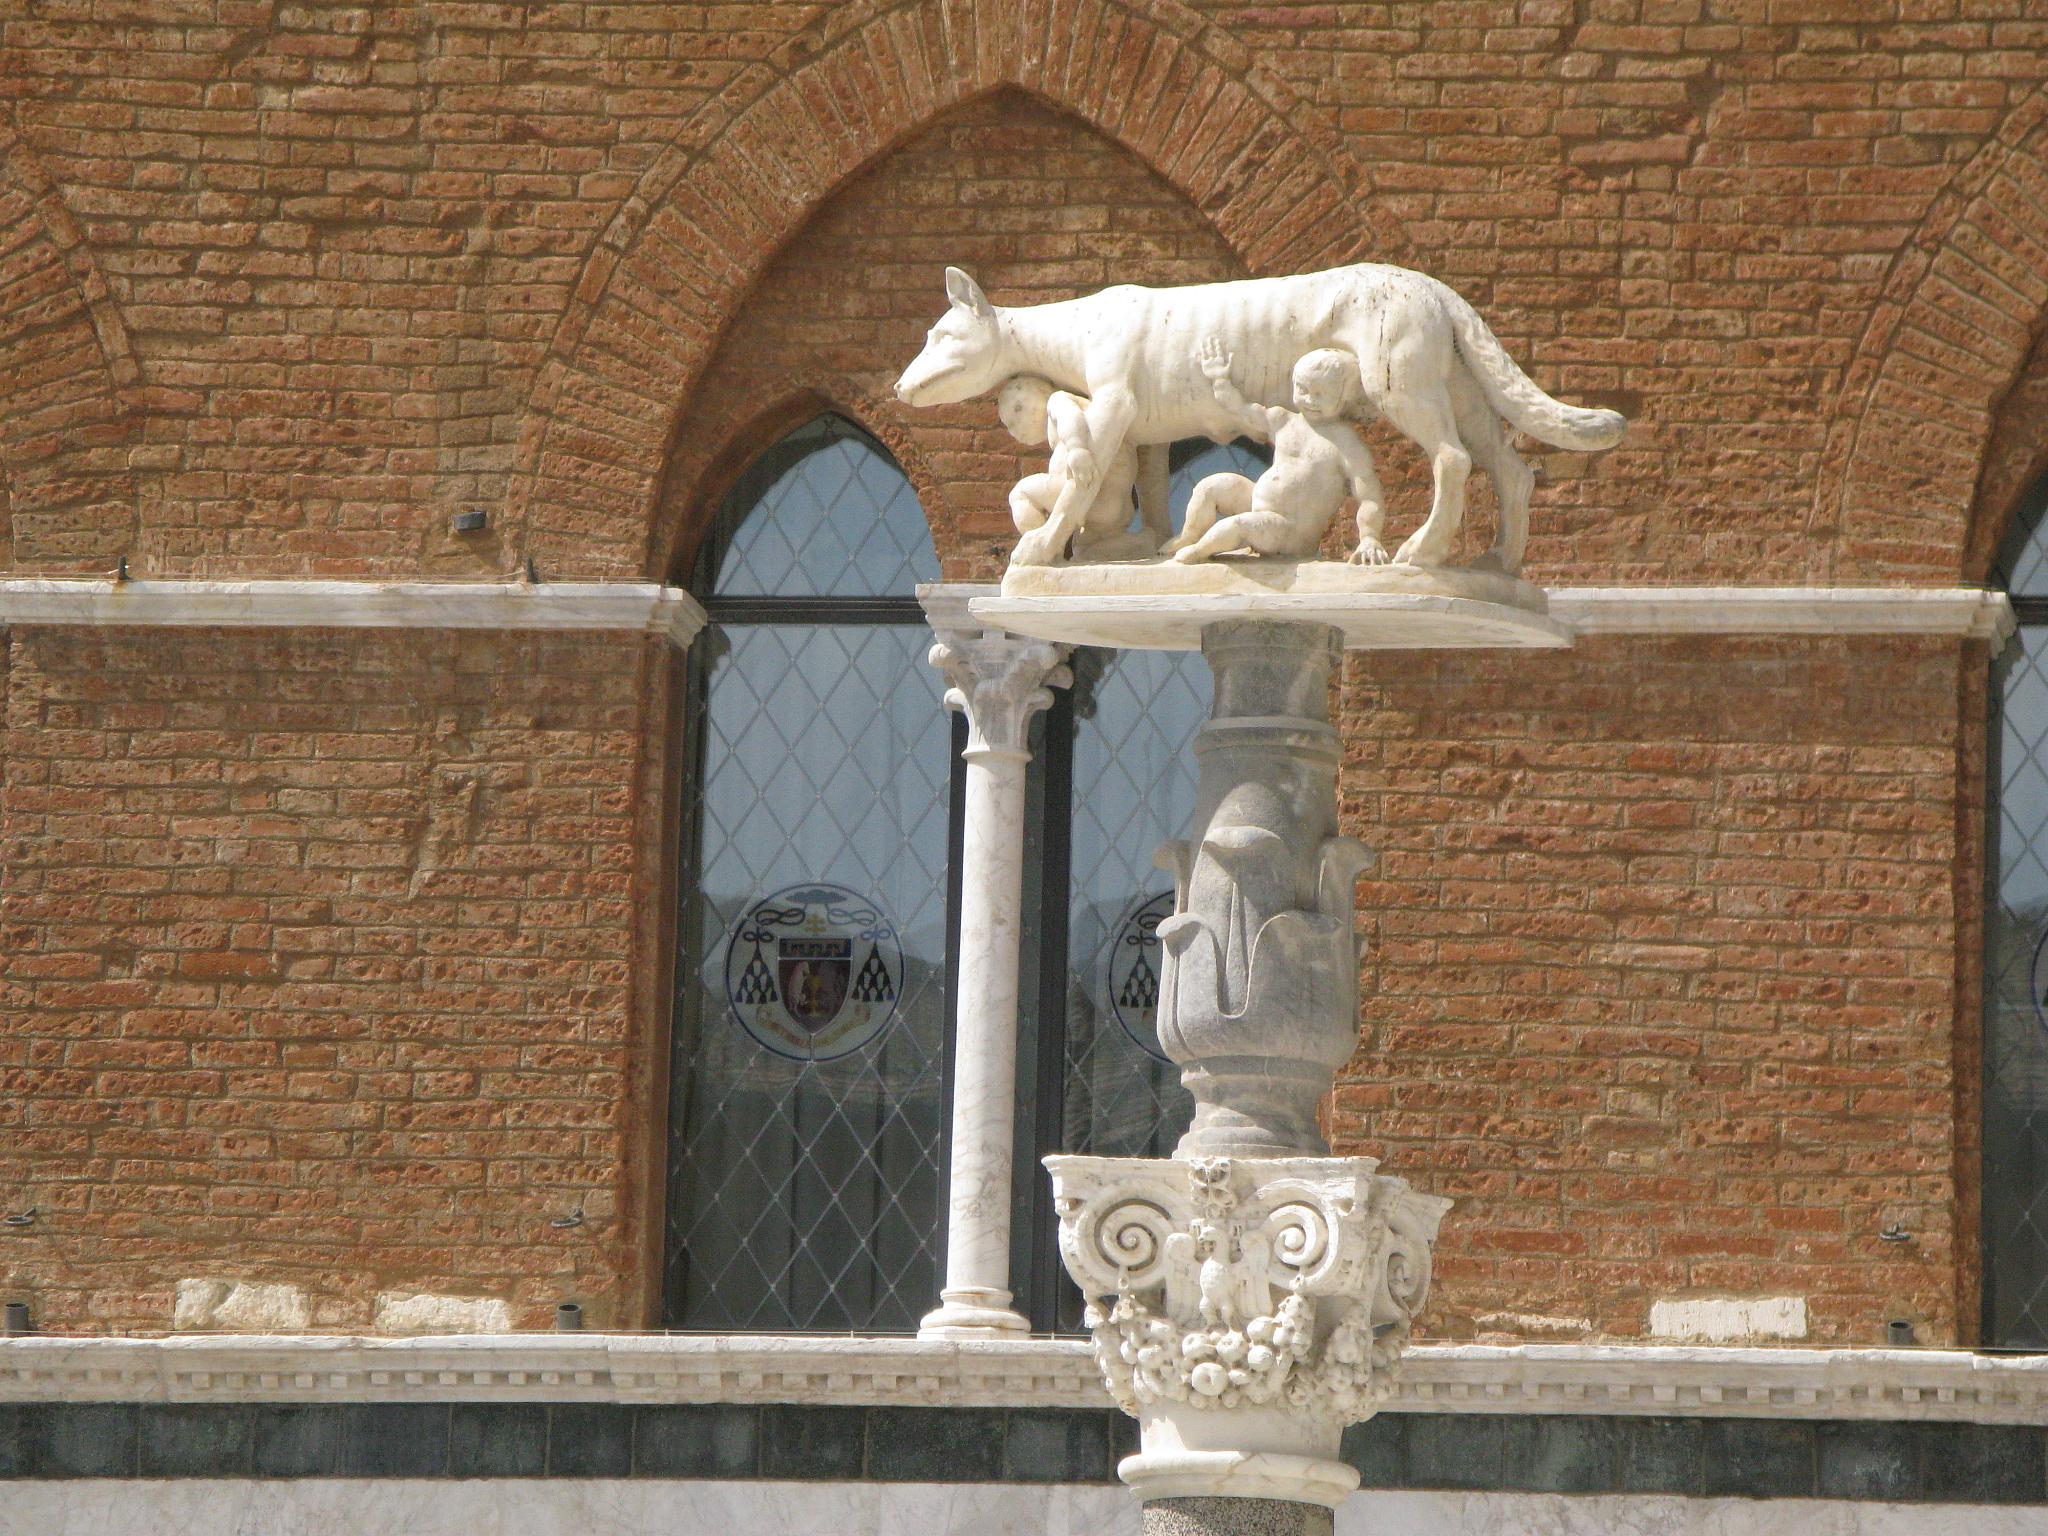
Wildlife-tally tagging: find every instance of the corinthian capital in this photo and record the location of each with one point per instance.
(999, 682)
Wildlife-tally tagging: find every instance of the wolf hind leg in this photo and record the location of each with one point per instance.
(1420, 406)
(1486, 439)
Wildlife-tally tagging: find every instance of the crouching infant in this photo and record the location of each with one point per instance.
(1318, 459)
(1080, 497)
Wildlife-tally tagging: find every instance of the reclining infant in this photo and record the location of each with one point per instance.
(1318, 459)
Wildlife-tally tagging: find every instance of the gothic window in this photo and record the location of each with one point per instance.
(810, 1016)
(2015, 1215)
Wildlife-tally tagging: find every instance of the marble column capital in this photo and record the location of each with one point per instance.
(999, 682)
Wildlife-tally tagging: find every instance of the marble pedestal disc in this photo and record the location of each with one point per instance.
(1163, 605)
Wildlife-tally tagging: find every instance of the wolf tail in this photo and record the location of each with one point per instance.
(1515, 395)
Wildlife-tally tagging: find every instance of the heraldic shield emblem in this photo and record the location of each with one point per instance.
(1134, 962)
(813, 972)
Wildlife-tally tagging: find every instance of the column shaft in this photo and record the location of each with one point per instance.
(999, 683)
(985, 1039)
(1236, 1517)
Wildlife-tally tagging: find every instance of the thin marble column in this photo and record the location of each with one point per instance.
(999, 682)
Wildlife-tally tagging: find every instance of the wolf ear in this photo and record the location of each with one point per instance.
(966, 294)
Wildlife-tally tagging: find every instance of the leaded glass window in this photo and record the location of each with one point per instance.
(810, 1017)
(2015, 1224)
(1136, 714)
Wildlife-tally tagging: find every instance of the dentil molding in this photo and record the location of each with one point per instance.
(1681, 1380)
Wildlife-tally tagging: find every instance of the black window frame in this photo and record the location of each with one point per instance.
(2030, 612)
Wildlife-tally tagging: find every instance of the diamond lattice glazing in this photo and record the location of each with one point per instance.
(810, 1007)
(805, 1190)
(823, 513)
(1136, 714)
(2016, 1007)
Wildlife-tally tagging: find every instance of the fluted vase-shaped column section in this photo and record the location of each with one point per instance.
(1259, 996)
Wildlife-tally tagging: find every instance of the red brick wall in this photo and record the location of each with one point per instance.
(366, 264)
(1662, 978)
(321, 950)
(1673, 987)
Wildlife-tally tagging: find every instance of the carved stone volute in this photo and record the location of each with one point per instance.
(999, 682)
(1225, 1293)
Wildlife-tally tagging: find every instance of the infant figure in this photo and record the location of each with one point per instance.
(1073, 494)
(1318, 458)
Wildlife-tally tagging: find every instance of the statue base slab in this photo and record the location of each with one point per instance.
(1164, 605)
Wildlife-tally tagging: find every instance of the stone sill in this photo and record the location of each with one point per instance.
(1959, 612)
(642, 607)
(1652, 1379)
(1962, 613)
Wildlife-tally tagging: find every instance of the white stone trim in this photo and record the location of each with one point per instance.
(575, 1506)
(946, 604)
(1683, 1380)
(615, 605)
(1964, 612)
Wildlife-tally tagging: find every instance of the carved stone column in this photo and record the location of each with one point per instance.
(1250, 1296)
(999, 682)
(1244, 1310)
(1259, 993)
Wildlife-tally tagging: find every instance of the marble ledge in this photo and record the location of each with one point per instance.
(693, 1507)
(1969, 613)
(1964, 612)
(1667, 1380)
(643, 607)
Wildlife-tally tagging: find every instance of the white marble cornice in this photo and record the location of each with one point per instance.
(1680, 1380)
(945, 604)
(1963, 612)
(642, 607)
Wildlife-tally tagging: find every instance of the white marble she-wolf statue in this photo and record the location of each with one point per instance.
(1426, 362)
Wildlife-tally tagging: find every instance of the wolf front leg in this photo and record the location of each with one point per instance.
(1155, 517)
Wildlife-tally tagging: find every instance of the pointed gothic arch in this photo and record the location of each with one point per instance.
(697, 485)
(68, 383)
(1944, 351)
(653, 300)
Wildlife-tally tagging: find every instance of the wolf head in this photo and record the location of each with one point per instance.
(962, 354)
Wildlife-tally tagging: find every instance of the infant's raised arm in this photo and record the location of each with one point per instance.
(1256, 420)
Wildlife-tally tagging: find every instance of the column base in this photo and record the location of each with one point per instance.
(1236, 1477)
(973, 1314)
(1236, 1517)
